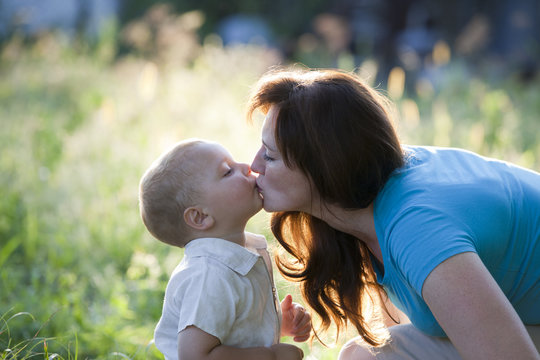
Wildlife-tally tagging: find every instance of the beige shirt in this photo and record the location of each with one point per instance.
(225, 290)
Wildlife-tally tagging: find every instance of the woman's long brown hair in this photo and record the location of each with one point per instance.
(337, 130)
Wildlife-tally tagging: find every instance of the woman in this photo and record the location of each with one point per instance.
(452, 239)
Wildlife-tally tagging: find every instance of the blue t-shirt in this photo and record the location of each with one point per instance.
(448, 201)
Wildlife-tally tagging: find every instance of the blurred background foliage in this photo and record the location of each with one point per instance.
(83, 112)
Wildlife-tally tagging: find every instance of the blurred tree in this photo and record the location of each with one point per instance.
(318, 32)
(287, 19)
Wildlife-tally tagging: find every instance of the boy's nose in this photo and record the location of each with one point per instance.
(246, 170)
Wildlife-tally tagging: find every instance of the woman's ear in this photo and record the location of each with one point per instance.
(196, 218)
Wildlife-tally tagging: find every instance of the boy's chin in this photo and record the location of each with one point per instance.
(260, 204)
(258, 209)
(255, 210)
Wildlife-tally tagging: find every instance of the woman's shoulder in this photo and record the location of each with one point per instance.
(436, 183)
(416, 155)
(434, 170)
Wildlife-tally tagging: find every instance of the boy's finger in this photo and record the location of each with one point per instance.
(300, 314)
(303, 325)
(305, 329)
(287, 303)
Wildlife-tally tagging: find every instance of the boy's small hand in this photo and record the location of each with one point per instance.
(287, 352)
(295, 320)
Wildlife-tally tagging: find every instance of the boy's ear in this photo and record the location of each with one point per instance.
(197, 218)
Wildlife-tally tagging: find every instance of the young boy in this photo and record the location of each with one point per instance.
(221, 302)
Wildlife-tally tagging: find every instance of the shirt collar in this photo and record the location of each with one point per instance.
(232, 255)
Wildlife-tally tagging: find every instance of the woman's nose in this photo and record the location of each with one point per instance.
(258, 163)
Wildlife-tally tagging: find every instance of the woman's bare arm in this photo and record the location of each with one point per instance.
(474, 312)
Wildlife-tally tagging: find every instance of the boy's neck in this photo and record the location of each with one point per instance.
(237, 238)
(234, 236)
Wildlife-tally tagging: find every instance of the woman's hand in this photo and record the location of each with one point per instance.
(296, 321)
(474, 312)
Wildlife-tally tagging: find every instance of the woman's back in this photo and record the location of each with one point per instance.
(447, 201)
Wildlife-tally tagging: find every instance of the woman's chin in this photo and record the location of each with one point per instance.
(270, 209)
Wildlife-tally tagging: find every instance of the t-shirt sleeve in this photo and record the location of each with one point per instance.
(422, 238)
(207, 299)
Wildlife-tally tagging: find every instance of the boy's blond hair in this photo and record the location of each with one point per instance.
(166, 189)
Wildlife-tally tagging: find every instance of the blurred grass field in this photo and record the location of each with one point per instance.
(80, 277)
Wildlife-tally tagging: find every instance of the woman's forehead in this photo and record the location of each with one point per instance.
(269, 128)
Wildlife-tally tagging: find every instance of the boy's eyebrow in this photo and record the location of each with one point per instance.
(225, 160)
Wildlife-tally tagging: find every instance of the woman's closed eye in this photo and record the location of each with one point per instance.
(267, 158)
(228, 172)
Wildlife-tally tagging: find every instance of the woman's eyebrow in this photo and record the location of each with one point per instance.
(268, 147)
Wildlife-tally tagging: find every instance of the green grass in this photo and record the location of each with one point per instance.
(79, 275)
